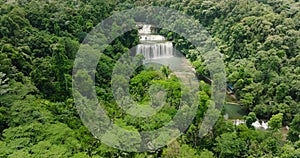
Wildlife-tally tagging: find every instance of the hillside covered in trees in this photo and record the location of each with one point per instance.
(260, 45)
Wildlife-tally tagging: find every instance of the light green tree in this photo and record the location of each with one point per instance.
(275, 122)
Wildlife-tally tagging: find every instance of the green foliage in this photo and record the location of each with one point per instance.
(39, 40)
(165, 70)
(36, 139)
(229, 145)
(183, 150)
(251, 118)
(141, 82)
(290, 151)
(276, 121)
(294, 132)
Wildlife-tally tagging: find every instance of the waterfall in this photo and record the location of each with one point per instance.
(155, 50)
(153, 46)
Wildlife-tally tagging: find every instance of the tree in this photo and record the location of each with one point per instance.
(261, 110)
(165, 70)
(294, 132)
(270, 145)
(251, 118)
(229, 145)
(247, 100)
(39, 139)
(290, 151)
(206, 154)
(222, 126)
(182, 151)
(275, 122)
(32, 110)
(6, 65)
(43, 76)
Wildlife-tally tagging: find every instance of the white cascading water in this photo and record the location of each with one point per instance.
(153, 46)
(155, 50)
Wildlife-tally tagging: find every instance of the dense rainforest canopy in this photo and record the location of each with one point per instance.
(259, 40)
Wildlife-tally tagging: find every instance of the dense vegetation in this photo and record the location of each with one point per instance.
(259, 40)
